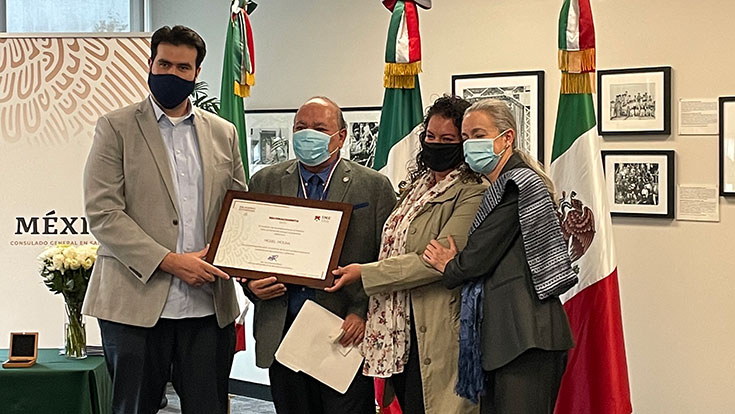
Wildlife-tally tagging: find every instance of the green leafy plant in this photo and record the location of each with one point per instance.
(201, 99)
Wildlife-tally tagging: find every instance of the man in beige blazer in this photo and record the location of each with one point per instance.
(154, 183)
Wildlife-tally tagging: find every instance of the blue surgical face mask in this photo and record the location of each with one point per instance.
(312, 147)
(479, 153)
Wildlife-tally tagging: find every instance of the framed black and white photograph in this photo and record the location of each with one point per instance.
(523, 92)
(640, 183)
(362, 134)
(634, 101)
(269, 137)
(727, 146)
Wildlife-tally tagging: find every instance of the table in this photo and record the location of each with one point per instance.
(56, 385)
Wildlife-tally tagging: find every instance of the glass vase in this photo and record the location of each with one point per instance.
(75, 336)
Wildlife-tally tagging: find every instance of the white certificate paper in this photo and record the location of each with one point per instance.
(309, 347)
(698, 117)
(698, 203)
(278, 238)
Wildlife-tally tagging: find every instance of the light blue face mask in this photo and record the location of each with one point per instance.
(479, 153)
(312, 147)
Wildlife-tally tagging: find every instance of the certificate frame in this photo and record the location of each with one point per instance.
(522, 91)
(232, 196)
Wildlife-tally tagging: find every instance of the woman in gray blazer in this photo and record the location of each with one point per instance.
(514, 333)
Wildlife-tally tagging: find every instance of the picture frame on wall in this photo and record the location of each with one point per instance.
(362, 134)
(270, 135)
(634, 101)
(523, 92)
(640, 183)
(727, 145)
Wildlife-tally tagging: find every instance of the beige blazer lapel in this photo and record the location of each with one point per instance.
(206, 151)
(290, 181)
(340, 183)
(148, 124)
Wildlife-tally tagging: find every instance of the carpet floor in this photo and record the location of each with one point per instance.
(238, 404)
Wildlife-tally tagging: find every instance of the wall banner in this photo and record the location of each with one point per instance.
(52, 90)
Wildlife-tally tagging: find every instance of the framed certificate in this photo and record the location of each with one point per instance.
(297, 240)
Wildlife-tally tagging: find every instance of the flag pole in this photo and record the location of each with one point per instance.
(596, 377)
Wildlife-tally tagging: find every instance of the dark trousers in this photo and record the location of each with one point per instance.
(527, 385)
(407, 384)
(193, 352)
(298, 393)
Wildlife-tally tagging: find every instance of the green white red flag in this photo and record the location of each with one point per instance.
(402, 110)
(403, 47)
(238, 72)
(238, 75)
(596, 378)
(400, 116)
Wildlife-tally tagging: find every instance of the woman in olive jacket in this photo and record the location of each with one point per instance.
(413, 320)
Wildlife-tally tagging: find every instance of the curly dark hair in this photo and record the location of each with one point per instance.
(451, 107)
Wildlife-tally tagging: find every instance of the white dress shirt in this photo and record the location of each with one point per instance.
(180, 137)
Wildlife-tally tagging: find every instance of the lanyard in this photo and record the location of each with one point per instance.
(326, 183)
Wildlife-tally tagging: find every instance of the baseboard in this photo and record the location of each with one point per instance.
(250, 389)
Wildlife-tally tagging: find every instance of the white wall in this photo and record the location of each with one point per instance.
(208, 18)
(676, 277)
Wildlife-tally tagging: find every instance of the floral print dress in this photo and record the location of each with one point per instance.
(387, 329)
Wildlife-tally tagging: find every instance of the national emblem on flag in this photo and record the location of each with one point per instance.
(596, 378)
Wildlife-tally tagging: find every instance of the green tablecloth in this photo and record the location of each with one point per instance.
(56, 385)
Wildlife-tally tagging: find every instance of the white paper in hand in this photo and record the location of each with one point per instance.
(309, 347)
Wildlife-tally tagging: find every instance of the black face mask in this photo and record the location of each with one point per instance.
(441, 157)
(169, 90)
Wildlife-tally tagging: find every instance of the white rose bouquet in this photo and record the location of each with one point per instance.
(65, 270)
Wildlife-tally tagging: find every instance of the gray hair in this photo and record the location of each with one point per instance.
(504, 120)
(499, 112)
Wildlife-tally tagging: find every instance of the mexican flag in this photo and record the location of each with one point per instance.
(400, 120)
(596, 378)
(238, 75)
(238, 72)
(398, 141)
(402, 111)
